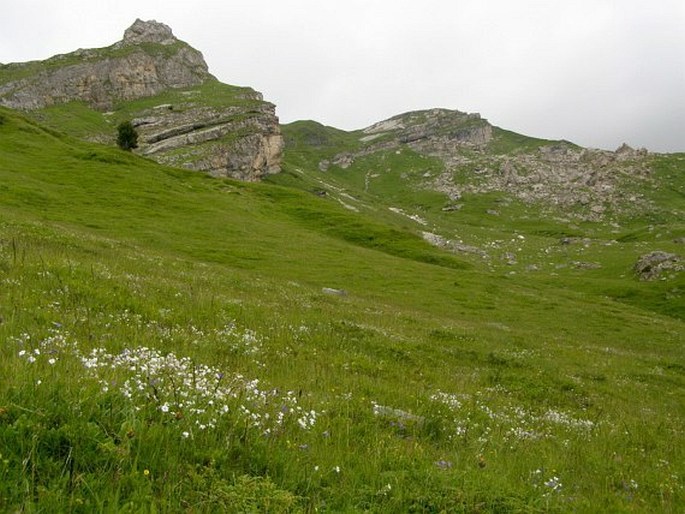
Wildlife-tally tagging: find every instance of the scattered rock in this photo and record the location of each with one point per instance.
(344, 160)
(334, 292)
(453, 246)
(509, 258)
(586, 184)
(586, 265)
(653, 265)
(397, 414)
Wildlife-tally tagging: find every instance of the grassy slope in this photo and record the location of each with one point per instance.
(80, 120)
(437, 383)
(501, 226)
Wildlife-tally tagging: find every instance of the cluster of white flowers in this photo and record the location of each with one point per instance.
(48, 349)
(240, 340)
(194, 396)
(307, 420)
(553, 484)
(514, 421)
(561, 418)
(451, 400)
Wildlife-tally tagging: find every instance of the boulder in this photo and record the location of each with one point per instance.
(653, 265)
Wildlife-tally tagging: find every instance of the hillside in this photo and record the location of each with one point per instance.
(184, 115)
(578, 218)
(179, 342)
(432, 314)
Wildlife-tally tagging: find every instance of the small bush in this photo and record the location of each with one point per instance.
(127, 136)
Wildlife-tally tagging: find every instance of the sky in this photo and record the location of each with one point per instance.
(595, 72)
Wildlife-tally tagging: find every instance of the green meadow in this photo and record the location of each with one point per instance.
(178, 343)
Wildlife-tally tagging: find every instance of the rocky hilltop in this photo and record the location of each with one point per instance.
(197, 123)
(480, 158)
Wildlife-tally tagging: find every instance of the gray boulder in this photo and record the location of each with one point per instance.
(654, 264)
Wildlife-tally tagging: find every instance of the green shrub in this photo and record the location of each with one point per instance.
(127, 136)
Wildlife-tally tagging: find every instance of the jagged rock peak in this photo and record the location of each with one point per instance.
(148, 32)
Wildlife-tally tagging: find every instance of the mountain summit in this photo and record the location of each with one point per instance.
(184, 115)
(148, 32)
(147, 61)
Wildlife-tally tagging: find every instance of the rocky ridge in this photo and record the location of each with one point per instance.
(239, 137)
(587, 184)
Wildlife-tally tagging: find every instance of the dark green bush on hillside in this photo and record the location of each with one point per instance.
(127, 136)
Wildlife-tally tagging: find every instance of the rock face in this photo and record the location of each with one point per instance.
(239, 141)
(435, 132)
(239, 138)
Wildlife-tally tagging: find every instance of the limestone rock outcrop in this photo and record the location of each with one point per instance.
(434, 132)
(146, 62)
(238, 136)
(586, 184)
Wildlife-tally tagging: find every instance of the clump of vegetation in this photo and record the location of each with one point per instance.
(127, 136)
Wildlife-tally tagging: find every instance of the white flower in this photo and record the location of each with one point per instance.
(52, 361)
(185, 434)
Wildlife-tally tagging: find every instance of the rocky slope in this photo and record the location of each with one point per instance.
(225, 132)
(480, 158)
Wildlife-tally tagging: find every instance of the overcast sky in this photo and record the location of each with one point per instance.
(596, 72)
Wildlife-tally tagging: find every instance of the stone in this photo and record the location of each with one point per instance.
(653, 265)
(586, 265)
(334, 292)
(147, 32)
(509, 258)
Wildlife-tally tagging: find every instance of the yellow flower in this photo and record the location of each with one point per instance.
(146, 472)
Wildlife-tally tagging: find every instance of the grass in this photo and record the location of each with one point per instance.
(80, 120)
(171, 347)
